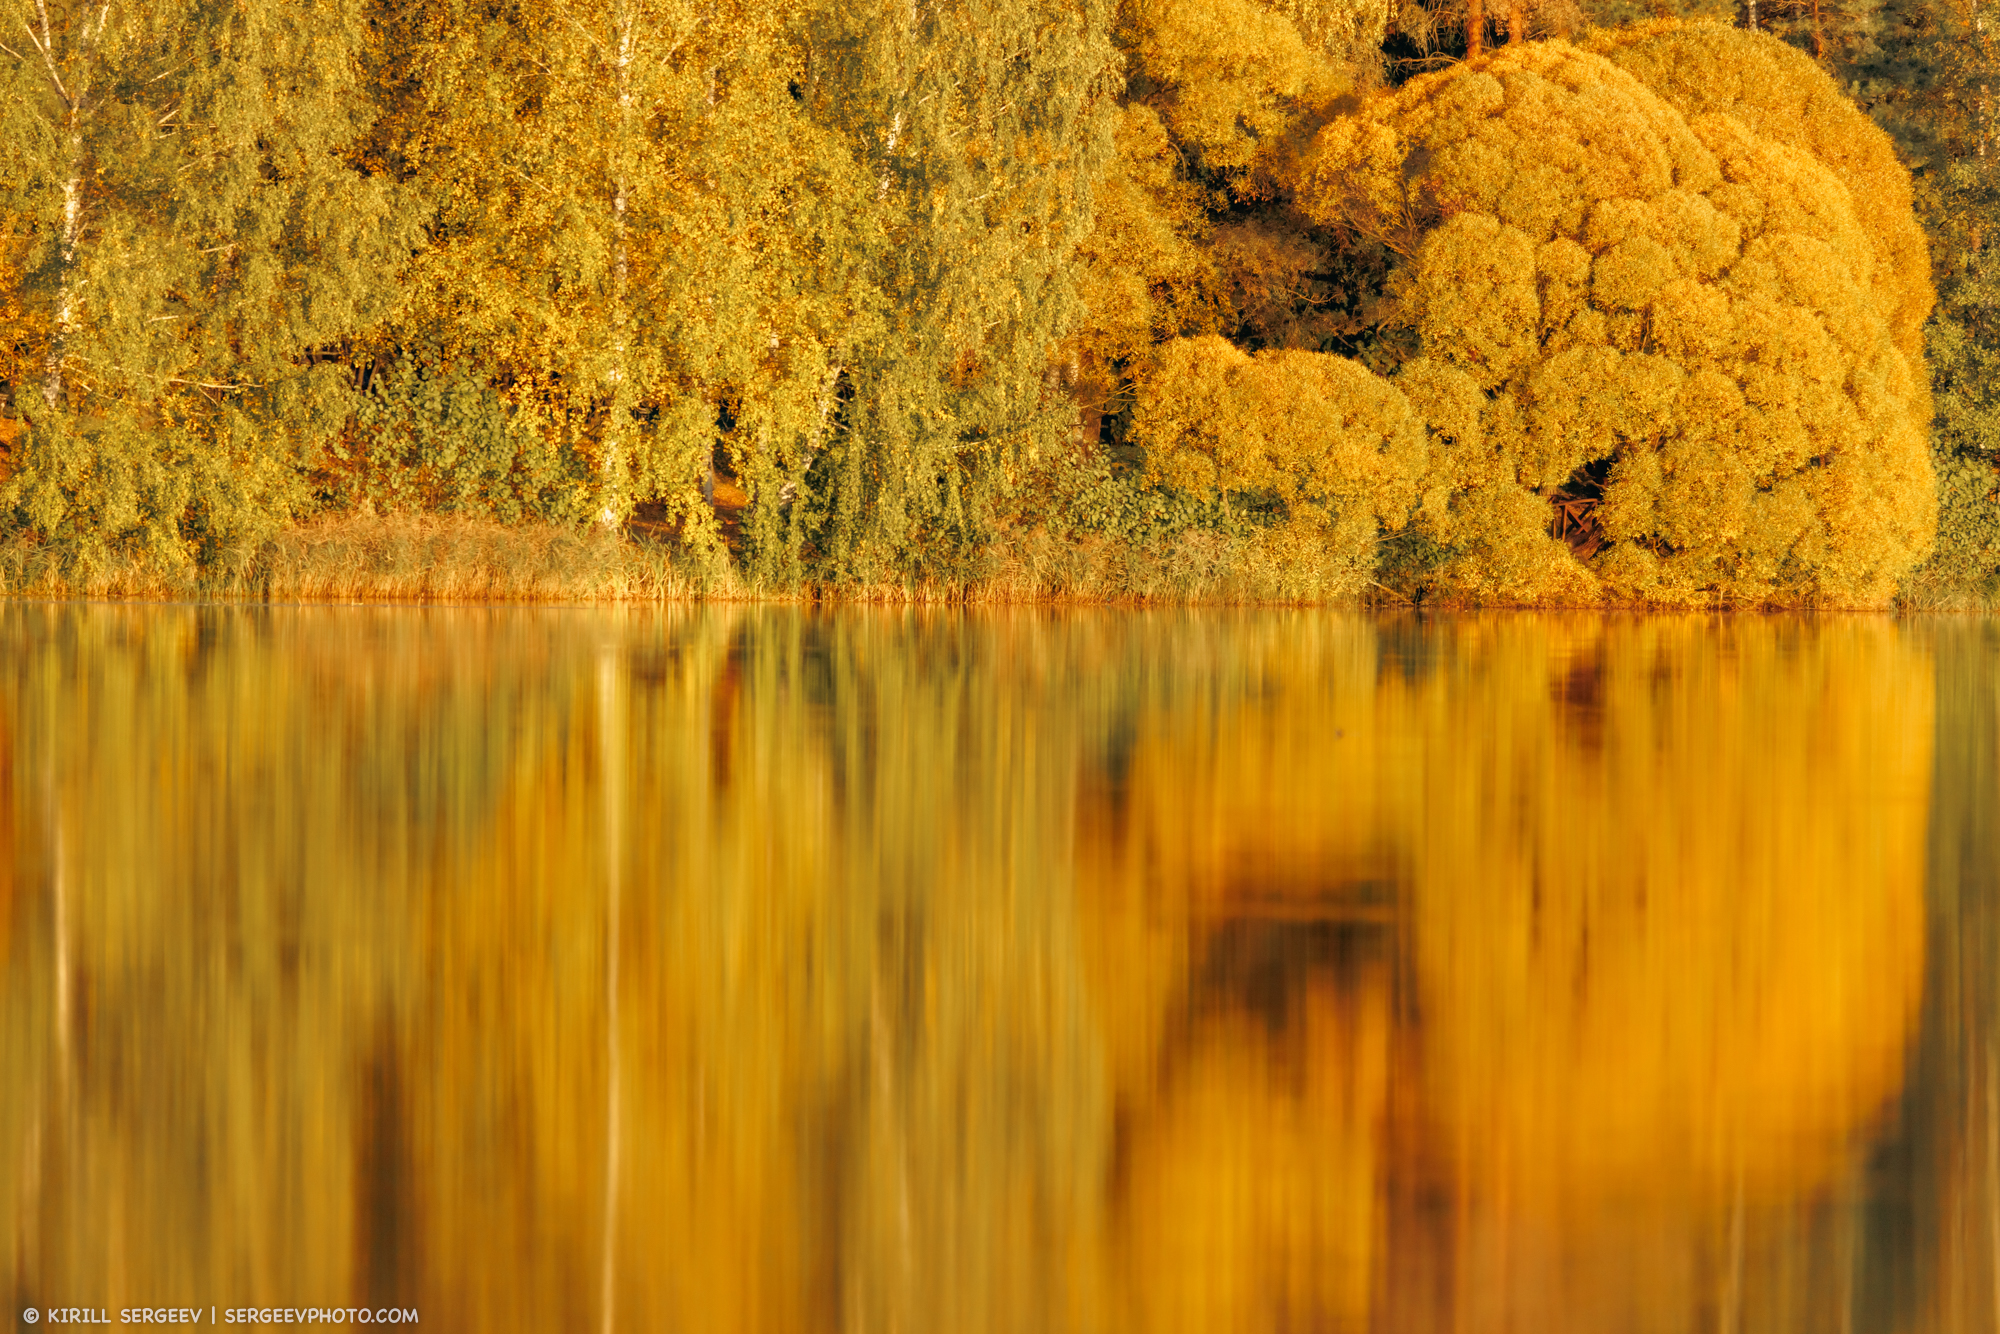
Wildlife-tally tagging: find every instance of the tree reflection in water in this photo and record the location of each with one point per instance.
(770, 970)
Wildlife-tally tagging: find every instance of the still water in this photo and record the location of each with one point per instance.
(764, 970)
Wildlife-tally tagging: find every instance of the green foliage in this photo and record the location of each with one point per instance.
(630, 220)
(1929, 87)
(195, 230)
(1966, 567)
(431, 438)
(1095, 498)
(984, 129)
(1965, 360)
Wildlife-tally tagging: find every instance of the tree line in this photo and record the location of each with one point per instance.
(1529, 302)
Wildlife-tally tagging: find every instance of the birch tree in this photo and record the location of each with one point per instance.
(195, 233)
(984, 128)
(634, 229)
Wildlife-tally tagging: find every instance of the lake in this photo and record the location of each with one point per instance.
(878, 970)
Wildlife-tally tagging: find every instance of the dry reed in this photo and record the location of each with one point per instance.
(399, 558)
(442, 558)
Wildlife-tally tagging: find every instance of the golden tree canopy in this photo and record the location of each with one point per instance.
(1338, 444)
(1229, 77)
(1778, 92)
(1672, 316)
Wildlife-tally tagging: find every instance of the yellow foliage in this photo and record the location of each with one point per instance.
(23, 336)
(1686, 303)
(1338, 444)
(1660, 886)
(1779, 94)
(1231, 76)
(1144, 277)
(1346, 32)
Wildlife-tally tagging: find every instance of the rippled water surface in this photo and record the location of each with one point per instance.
(764, 970)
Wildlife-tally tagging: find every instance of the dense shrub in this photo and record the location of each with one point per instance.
(1676, 323)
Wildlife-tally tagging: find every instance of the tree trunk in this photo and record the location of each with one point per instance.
(613, 462)
(55, 368)
(57, 364)
(1475, 28)
(1087, 391)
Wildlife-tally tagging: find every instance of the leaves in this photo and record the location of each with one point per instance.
(1666, 296)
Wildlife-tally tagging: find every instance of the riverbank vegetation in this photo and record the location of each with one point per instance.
(1157, 299)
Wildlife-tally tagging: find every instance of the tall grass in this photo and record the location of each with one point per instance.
(431, 558)
(400, 558)
(443, 558)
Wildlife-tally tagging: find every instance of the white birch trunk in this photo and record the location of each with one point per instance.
(614, 461)
(72, 95)
(54, 372)
(828, 398)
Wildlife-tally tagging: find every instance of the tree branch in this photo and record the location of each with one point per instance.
(48, 61)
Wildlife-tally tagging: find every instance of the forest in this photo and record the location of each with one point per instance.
(1557, 302)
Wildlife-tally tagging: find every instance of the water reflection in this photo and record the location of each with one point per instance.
(763, 970)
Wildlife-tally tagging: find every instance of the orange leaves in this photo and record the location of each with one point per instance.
(1626, 273)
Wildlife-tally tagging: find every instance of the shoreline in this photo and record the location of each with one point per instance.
(433, 560)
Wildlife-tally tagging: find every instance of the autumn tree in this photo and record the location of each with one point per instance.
(1228, 91)
(983, 131)
(1929, 82)
(1195, 235)
(634, 234)
(1339, 448)
(1662, 333)
(1778, 94)
(195, 231)
(830, 248)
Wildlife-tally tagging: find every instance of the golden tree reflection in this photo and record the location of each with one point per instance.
(775, 971)
(1669, 909)
(1657, 891)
